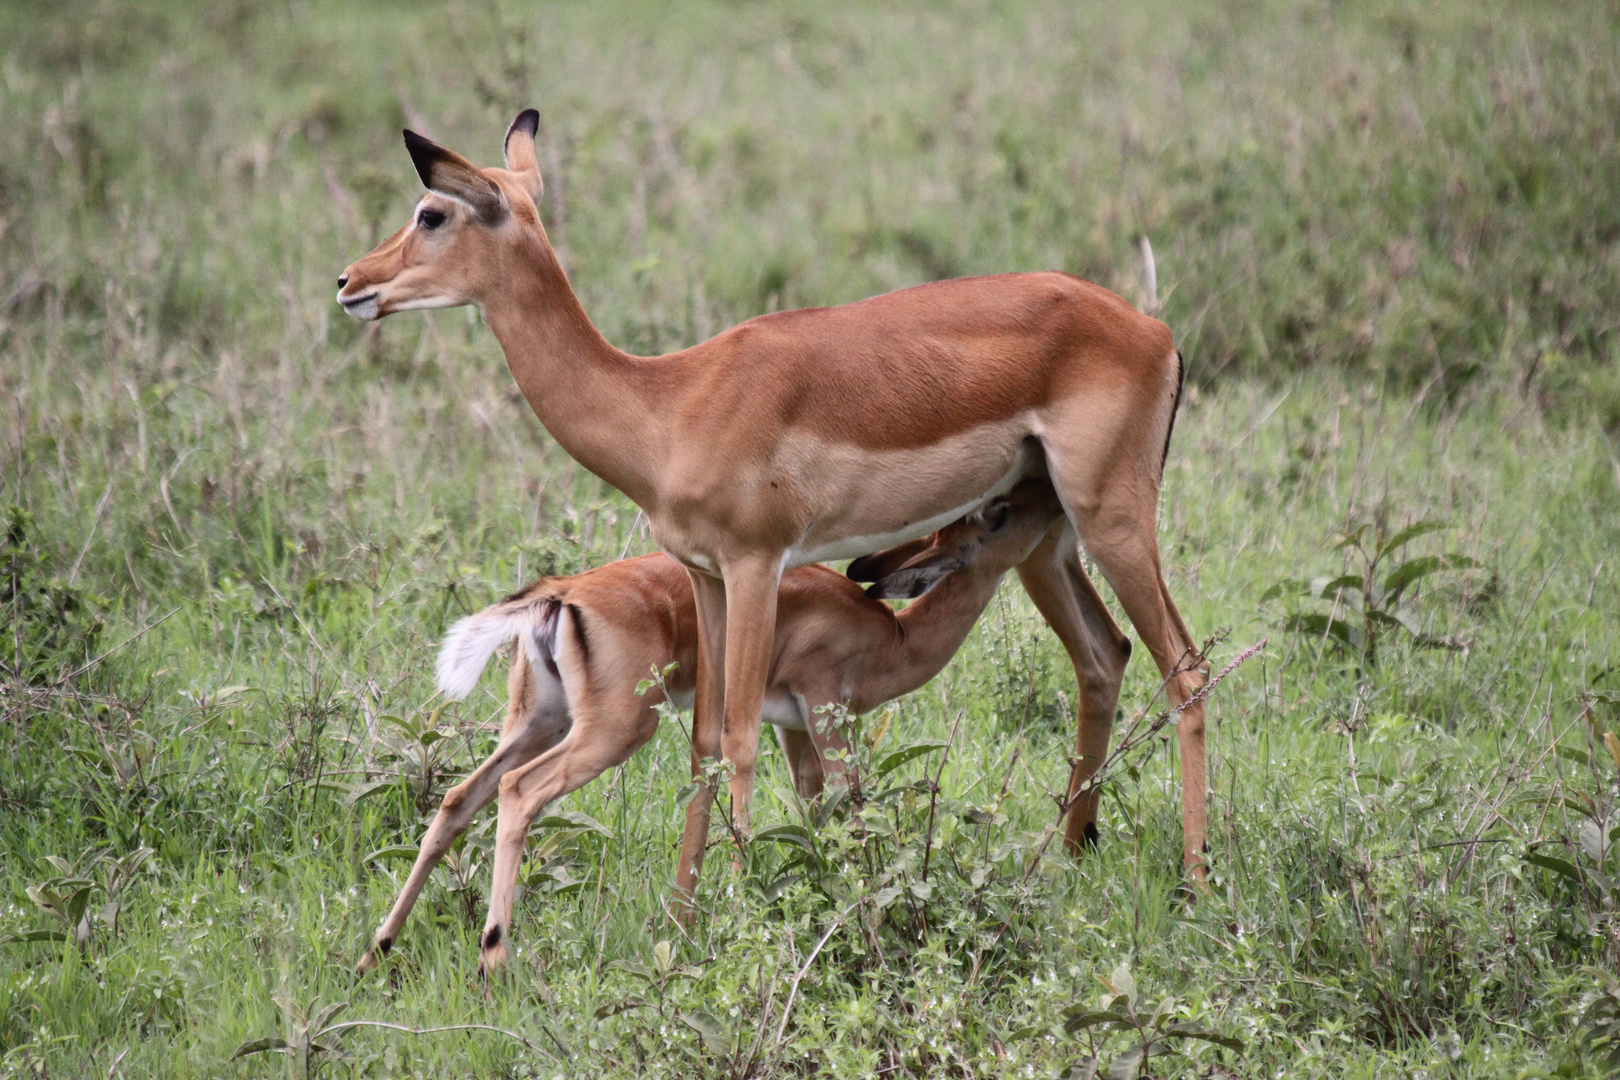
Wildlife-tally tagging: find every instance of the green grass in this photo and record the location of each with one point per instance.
(1387, 241)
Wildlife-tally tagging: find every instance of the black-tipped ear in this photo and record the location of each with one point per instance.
(519, 151)
(879, 563)
(527, 123)
(912, 581)
(450, 174)
(424, 152)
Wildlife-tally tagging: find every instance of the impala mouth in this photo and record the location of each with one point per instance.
(361, 307)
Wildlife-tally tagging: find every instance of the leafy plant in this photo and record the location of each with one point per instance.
(52, 625)
(657, 977)
(1151, 1032)
(1600, 1018)
(1385, 581)
(66, 896)
(311, 1036)
(412, 751)
(1585, 856)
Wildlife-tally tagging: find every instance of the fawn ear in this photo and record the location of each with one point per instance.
(910, 582)
(519, 151)
(449, 173)
(880, 564)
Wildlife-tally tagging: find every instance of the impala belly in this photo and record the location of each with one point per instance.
(890, 497)
(780, 708)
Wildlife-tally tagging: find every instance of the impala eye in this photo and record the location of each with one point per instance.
(430, 219)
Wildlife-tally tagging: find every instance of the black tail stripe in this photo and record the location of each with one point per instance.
(1175, 407)
(581, 638)
(545, 635)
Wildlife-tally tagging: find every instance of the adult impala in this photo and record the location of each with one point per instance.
(587, 642)
(827, 433)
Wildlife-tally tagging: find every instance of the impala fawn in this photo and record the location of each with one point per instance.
(588, 641)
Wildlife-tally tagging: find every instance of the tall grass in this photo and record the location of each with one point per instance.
(1386, 240)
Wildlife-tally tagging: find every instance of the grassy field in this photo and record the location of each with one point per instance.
(237, 523)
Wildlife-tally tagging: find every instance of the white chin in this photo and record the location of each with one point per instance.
(365, 310)
(428, 303)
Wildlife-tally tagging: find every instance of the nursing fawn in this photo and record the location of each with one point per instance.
(586, 643)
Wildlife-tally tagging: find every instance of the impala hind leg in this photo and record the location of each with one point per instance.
(537, 717)
(1056, 581)
(820, 754)
(607, 729)
(1118, 527)
(804, 762)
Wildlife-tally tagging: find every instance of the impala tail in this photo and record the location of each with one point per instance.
(473, 640)
(1175, 407)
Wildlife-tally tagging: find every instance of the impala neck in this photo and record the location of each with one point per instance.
(935, 627)
(599, 403)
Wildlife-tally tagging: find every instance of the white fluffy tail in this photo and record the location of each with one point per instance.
(473, 640)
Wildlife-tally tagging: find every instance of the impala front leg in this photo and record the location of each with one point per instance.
(751, 586)
(708, 710)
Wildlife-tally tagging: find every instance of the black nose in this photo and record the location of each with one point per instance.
(343, 281)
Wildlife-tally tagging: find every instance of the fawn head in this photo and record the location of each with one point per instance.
(991, 540)
(451, 253)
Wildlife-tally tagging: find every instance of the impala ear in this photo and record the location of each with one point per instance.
(910, 582)
(519, 150)
(879, 564)
(451, 174)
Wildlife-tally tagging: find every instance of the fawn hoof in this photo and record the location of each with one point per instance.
(373, 956)
(492, 954)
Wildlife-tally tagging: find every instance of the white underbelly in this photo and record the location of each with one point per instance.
(780, 708)
(1027, 460)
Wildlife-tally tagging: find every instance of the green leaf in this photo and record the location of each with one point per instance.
(1125, 1067)
(664, 956)
(617, 1007)
(797, 835)
(1082, 1020)
(1409, 534)
(899, 757)
(357, 792)
(76, 905)
(1321, 626)
(1410, 571)
(33, 935)
(321, 1019)
(1557, 866)
(1578, 756)
(394, 851)
(709, 1028)
(1338, 585)
(1120, 981)
(259, 1046)
(1189, 1030)
(1285, 587)
(885, 898)
(781, 885)
(573, 819)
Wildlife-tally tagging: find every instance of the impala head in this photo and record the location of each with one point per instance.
(989, 541)
(452, 251)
